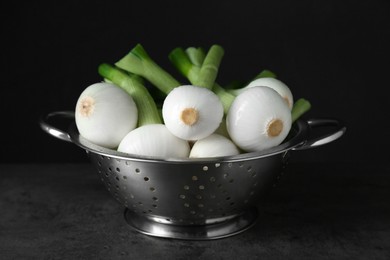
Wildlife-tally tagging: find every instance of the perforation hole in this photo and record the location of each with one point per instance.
(146, 178)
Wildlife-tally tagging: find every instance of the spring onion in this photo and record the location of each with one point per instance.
(154, 140)
(138, 62)
(192, 112)
(209, 69)
(273, 83)
(104, 114)
(196, 55)
(197, 120)
(214, 145)
(187, 63)
(132, 84)
(300, 107)
(258, 119)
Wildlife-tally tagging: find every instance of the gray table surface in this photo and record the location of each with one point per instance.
(318, 211)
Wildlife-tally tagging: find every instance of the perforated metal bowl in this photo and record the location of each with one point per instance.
(194, 198)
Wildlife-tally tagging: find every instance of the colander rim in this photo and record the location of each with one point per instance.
(299, 132)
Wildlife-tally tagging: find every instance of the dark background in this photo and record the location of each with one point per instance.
(334, 53)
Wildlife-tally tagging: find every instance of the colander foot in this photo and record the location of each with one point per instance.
(230, 227)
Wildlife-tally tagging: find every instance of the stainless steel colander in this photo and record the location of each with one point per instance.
(197, 199)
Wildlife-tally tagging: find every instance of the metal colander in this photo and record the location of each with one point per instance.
(194, 198)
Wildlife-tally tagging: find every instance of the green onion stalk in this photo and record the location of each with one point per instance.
(138, 62)
(196, 55)
(148, 112)
(265, 74)
(300, 107)
(190, 62)
(208, 71)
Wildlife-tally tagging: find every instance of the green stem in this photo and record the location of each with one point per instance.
(225, 97)
(209, 69)
(196, 55)
(137, 61)
(132, 84)
(300, 107)
(183, 64)
(265, 74)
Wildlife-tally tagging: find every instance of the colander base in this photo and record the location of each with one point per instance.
(230, 227)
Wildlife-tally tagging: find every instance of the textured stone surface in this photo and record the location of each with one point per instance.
(318, 211)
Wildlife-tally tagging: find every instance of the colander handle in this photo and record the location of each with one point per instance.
(338, 129)
(51, 130)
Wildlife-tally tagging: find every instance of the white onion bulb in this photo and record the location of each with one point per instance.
(154, 140)
(214, 145)
(258, 119)
(104, 114)
(275, 84)
(192, 112)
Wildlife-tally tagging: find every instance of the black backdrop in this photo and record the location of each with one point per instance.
(334, 53)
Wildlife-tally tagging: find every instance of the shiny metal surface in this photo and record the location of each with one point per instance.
(219, 229)
(193, 198)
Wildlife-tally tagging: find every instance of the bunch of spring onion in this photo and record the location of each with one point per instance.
(198, 119)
